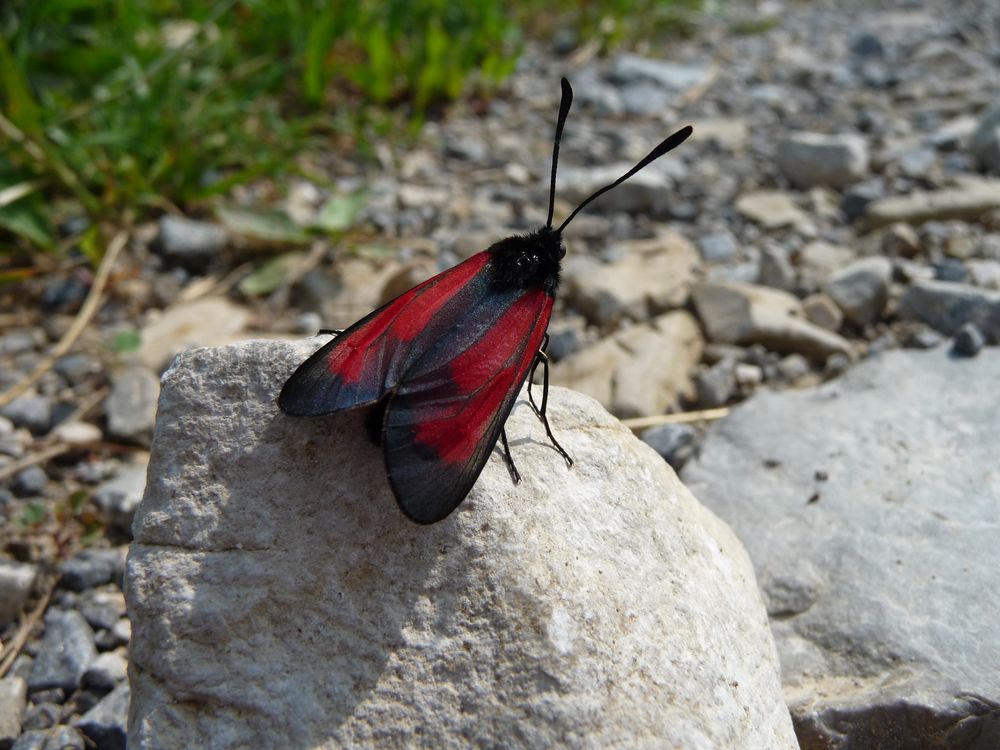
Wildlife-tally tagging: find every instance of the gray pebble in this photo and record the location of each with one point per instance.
(119, 497)
(67, 649)
(675, 442)
(717, 247)
(775, 268)
(716, 385)
(969, 340)
(192, 244)
(950, 269)
(30, 482)
(793, 367)
(102, 608)
(105, 723)
(16, 342)
(16, 580)
(106, 671)
(924, 338)
(836, 364)
(41, 716)
(77, 367)
(66, 738)
(32, 740)
(49, 695)
(13, 699)
(131, 407)
(857, 197)
(90, 568)
(33, 412)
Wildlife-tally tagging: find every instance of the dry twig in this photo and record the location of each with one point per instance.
(83, 317)
(684, 417)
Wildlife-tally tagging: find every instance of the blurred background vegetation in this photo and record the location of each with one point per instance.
(116, 109)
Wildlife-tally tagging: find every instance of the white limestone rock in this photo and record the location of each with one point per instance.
(279, 598)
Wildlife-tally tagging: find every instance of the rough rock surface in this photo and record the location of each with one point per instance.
(869, 508)
(278, 595)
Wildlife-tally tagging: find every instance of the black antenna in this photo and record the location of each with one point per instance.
(669, 143)
(564, 104)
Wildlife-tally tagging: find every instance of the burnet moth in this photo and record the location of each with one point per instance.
(441, 365)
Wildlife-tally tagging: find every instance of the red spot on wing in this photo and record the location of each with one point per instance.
(424, 307)
(402, 319)
(488, 372)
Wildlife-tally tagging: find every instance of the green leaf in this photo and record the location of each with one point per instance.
(126, 341)
(77, 499)
(270, 275)
(341, 211)
(32, 515)
(272, 226)
(25, 218)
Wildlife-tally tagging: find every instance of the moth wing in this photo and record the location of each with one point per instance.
(362, 364)
(447, 412)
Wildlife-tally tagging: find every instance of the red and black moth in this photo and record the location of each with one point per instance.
(441, 365)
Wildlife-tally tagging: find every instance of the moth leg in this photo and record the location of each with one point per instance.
(330, 331)
(531, 375)
(543, 358)
(515, 475)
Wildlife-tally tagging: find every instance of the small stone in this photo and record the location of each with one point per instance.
(900, 240)
(749, 376)
(119, 497)
(131, 407)
(716, 385)
(30, 482)
(308, 323)
(793, 367)
(78, 367)
(734, 313)
(814, 159)
(31, 740)
(192, 244)
(949, 269)
(122, 630)
(33, 412)
(835, 365)
(105, 723)
(861, 290)
(675, 78)
(675, 442)
(858, 197)
(90, 568)
(916, 162)
(566, 336)
(819, 260)
(66, 651)
(867, 44)
(66, 738)
(106, 671)
(49, 695)
(18, 342)
(985, 144)
(16, 580)
(13, 699)
(823, 311)
(922, 338)
(969, 340)
(102, 608)
(77, 433)
(717, 247)
(945, 306)
(984, 273)
(41, 716)
(772, 209)
(775, 268)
